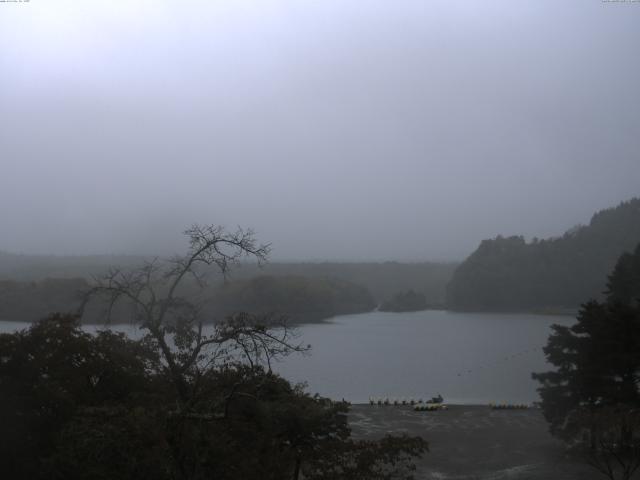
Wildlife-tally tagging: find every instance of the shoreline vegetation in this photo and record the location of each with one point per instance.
(301, 300)
(551, 311)
(504, 275)
(328, 319)
(31, 287)
(409, 301)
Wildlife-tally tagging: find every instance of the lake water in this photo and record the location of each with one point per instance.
(466, 357)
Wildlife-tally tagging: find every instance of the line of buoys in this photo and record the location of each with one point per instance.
(509, 406)
(386, 401)
(395, 401)
(430, 407)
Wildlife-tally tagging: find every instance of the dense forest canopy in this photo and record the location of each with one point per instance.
(30, 301)
(408, 301)
(299, 298)
(513, 274)
(33, 286)
(81, 406)
(383, 279)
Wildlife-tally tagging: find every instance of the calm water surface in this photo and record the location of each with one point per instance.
(466, 357)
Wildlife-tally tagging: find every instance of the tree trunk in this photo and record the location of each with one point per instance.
(296, 471)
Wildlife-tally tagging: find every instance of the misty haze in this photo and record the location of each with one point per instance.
(296, 239)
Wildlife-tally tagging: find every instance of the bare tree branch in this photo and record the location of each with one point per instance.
(175, 322)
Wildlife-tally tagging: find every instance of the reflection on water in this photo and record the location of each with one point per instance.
(466, 357)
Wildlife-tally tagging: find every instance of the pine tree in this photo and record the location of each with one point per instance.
(592, 398)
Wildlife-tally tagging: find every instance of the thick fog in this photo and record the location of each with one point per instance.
(337, 129)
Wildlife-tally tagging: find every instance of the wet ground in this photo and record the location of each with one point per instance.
(476, 443)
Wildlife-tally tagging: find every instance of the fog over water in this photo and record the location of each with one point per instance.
(343, 130)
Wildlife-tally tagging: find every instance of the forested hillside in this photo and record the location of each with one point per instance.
(30, 301)
(408, 301)
(556, 273)
(301, 299)
(382, 279)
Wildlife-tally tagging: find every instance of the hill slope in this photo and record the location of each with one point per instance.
(300, 299)
(382, 279)
(511, 274)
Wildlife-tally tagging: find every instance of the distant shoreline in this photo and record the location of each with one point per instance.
(552, 312)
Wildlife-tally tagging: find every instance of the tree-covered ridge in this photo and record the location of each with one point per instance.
(408, 301)
(382, 279)
(30, 301)
(624, 282)
(298, 298)
(512, 274)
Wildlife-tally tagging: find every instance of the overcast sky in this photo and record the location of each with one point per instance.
(337, 129)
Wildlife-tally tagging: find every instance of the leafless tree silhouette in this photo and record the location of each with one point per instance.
(174, 321)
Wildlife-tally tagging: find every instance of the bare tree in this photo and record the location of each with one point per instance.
(171, 314)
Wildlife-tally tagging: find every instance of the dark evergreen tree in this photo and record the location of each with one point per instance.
(624, 282)
(593, 395)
